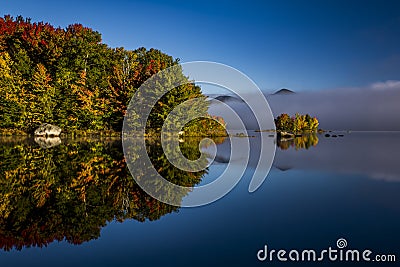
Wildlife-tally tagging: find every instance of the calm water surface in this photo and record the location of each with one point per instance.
(75, 204)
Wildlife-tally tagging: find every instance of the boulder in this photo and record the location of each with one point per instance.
(286, 135)
(47, 130)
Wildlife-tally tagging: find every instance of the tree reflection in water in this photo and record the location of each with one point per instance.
(71, 191)
(300, 142)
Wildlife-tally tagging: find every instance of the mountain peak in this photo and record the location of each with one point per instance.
(284, 91)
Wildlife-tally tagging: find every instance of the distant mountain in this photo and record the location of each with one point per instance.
(225, 98)
(284, 91)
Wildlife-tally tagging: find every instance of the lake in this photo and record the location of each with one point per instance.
(75, 204)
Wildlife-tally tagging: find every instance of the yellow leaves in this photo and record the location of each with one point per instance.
(5, 205)
(306, 141)
(72, 118)
(83, 193)
(82, 80)
(89, 172)
(298, 124)
(9, 81)
(5, 71)
(90, 99)
(41, 192)
(41, 77)
(89, 175)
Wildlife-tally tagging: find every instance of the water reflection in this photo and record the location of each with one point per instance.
(69, 192)
(371, 154)
(47, 142)
(298, 142)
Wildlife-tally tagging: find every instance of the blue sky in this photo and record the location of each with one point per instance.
(300, 45)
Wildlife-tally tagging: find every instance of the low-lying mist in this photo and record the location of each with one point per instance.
(361, 109)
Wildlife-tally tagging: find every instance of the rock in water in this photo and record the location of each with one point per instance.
(48, 130)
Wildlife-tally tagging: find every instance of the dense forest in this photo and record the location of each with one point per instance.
(69, 78)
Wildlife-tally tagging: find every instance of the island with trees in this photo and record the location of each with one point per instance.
(297, 125)
(298, 131)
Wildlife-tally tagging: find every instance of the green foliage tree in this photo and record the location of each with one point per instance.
(39, 104)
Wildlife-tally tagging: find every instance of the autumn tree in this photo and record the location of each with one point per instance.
(9, 89)
(297, 124)
(284, 123)
(70, 78)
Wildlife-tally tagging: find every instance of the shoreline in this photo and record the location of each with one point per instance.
(106, 134)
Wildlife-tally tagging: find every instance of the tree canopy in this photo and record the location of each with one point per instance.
(297, 124)
(68, 77)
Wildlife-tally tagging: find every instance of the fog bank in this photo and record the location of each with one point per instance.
(362, 109)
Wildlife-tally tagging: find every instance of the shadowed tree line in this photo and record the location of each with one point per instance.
(68, 77)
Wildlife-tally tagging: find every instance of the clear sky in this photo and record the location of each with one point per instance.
(300, 45)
